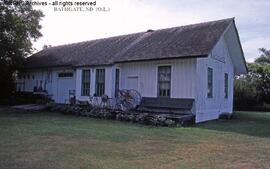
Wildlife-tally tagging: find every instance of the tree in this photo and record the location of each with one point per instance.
(260, 72)
(46, 46)
(264, 58)
(253, 89)
(245, 94)
(19, 26)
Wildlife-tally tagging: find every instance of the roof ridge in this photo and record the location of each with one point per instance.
(194, 24)
(129, 34)
(181, 41)
(92, 40)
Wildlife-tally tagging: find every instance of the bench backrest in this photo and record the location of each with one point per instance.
(167, 103)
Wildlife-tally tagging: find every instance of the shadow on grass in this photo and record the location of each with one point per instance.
(249, 123)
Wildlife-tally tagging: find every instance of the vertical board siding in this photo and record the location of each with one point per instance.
(54, 85)
(64, 85)
(220, 61)
(109, 81)
(188, 80)
(183, 77)
(233, 44)
(79, 83)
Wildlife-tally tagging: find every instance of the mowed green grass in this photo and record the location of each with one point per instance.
(30, 139)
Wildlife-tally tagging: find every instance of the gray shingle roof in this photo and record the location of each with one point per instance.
(186, 41)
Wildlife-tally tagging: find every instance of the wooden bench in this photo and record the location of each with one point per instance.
(163, 104)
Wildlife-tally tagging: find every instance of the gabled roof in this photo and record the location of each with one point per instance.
(232, 40)
(196, 40)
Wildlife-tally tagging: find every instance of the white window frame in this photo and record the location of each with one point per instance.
(226, 85)
(212, 83)
(171, 77)
(115, 92)
(82, 81)
(65, 77)
(96, 84)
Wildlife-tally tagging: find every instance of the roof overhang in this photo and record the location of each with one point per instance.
(164, 58)
(232, 40)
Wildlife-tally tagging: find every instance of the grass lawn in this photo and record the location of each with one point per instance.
(51, 140)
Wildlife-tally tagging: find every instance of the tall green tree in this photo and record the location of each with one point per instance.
(260, 72)
(19, 26)
(253, 89)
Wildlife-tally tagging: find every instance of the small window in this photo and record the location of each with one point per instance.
(65, 75)
(86, 83)
(226, 83)
(164, 81)
(100, 82)
(210, 83)
(117, 78)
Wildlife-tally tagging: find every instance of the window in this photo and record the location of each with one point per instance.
(210, 83)
(100, 82)
(164, 81)
(117, 78)
(226, 83)
(86, 82)
(65, 75)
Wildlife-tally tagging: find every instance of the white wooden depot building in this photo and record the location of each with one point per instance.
(197, 61)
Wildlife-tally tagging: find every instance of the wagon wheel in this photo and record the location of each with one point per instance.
(127, 104)
(136, 98)
(123, 98)
(121, 94)
(129, 99)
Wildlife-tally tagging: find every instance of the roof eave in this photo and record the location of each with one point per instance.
(243, 56)
(46, 67)
(168, 58)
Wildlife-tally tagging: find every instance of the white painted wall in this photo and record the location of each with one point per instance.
(63, 86)
(188, 80)
(57, 87)
(32, 78)
(232, 41)
(220, 61)
(183, 77)
(109, 81)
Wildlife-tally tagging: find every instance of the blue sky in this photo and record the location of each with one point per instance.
(129, 16)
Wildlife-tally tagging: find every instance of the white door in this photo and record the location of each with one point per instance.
(133, 82)
(65, 83)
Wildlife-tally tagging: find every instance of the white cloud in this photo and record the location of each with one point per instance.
(251, 47)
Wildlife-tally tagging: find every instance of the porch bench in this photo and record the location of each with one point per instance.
(163, 104)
